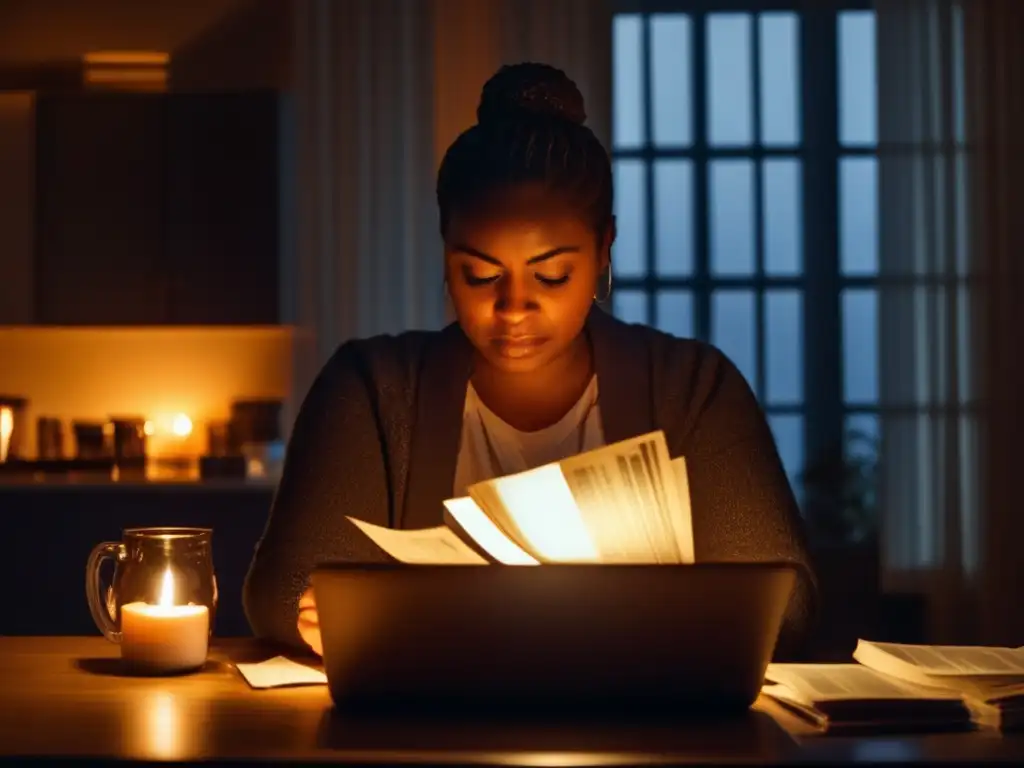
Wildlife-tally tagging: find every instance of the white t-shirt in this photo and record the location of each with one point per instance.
(490, 447)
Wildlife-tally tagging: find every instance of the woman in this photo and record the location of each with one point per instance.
(530, 373)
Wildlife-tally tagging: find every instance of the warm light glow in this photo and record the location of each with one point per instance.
(170, 437)
(485, 533)
(166, 599)
(164, 370)
(163, 721)
(163, 725)
(118, 76)
(6, 430)
(181, 425)
(547, 515)
(169, 424)
(164, 636)
(561, 759)
(126, 70)
(129, 58)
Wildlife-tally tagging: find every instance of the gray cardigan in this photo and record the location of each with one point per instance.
(377, 437)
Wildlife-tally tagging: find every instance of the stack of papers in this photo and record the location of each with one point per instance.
(904, 687)
(990, 680)
(837, 697)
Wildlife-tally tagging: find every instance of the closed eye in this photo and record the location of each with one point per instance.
(553, 281)
(474, 281)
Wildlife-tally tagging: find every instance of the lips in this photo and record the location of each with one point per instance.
(518, 346)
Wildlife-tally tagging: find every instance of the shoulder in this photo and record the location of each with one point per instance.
(700, 395)
(680, 363)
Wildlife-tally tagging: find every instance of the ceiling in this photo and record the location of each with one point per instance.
(35, 32)
(212, 43)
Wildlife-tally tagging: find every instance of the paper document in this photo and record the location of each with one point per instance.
(279, 672)
(424, 546)
(627, 502)
(470, 518)
(828, 682)
(682, 521)
(632, 475)
(537, 507)
(941, 660)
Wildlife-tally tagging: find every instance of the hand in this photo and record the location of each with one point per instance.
(309, 622)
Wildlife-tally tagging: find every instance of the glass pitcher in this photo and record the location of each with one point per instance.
(161, 603)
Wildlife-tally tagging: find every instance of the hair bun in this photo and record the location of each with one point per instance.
(530, 89)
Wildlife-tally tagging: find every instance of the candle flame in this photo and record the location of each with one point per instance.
(6, 429)
(167, 590)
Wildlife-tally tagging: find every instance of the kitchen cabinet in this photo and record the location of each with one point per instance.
(99, 210)
(156, 209)
(221, 237)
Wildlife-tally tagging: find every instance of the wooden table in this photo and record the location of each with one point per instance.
(65, 698)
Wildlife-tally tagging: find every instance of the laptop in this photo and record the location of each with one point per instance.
(553, 636)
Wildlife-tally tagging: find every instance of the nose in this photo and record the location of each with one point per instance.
(514, 301)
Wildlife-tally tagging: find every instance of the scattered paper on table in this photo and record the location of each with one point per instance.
(280, 671)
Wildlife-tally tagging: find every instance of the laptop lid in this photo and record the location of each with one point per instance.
(554, 635)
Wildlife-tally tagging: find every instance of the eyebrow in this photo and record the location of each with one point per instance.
(562, 249)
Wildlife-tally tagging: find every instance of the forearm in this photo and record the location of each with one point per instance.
(334, 467)
(270, 598)
(281, 571)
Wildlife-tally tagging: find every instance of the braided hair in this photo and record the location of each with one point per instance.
(530, 129)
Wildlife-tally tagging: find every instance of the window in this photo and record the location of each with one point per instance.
(743, 149)
(858, 227)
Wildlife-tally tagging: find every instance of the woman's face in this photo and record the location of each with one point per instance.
(522, 268)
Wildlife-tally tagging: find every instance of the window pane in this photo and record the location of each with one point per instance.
(959, 96)
(627, 90)
(858, 120)
(630, 250)
(782, 193)
(630, 305)
(731, 200)
(730, 112)
(780, 80)
(789, 438)
(671, 95)
(673, 209)
(675, 312)
(858, 215)
(784, 358)
(733, 330)
(860, 346)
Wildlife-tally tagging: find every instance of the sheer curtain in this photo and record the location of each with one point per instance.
(358, 162)
(946, 273)
(380, 88)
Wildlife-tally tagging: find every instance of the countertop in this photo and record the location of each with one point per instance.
(100, 483)
(67, 698)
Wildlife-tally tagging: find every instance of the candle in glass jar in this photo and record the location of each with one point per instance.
(165, 638)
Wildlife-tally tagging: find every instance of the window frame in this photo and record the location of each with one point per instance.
(821, 282)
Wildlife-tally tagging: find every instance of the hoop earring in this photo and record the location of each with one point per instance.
(608, 288)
